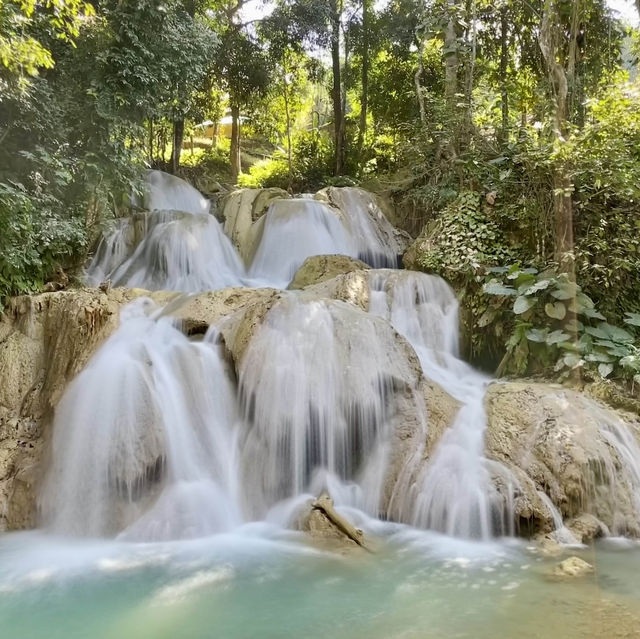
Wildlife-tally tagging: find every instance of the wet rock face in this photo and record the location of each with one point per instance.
(583, 455)
(241, 213)
(45, 340)
(321, 268)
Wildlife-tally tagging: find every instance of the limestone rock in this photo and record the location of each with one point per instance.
(582, 454)
(45, 340)
(586, 528)
(328, 528)
(242, 214)
(419, 246)
(320, 268)
(573, 567)
(350, 287)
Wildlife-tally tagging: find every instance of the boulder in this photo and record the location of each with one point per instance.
(320, 268)
(241, 212)
(586, 528)
(45, 340)
(328, 528)
(573, 567)
(417, 248)
(582, 454)
(350, 287)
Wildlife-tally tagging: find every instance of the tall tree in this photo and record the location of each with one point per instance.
(241, 79)
(364, 98)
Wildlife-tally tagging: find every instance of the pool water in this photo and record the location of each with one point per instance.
(268, 584)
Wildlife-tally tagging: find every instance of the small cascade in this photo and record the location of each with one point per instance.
(165, 192)
(457, 495)
(114, 249)
(373, 235)
(334, 370)
(181, 252)
(176, 247)
(295, 229)
(560, 533)
(138, 449)
(618, 435)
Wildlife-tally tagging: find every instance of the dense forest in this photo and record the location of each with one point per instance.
(505, 134)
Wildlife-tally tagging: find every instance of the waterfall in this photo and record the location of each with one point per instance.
(456, 495)
(114, 249)
(157, 439)
(138, 448)
(560, 532)
(373, 235)
(165, 192)
(180, 247)
(181, 252)
(334, 369)
(293, 231)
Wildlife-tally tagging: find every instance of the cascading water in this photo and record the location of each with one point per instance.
(165, 192)
(373, 235)
(321, 389)
(456, 495)
(293, 231)
(138, 449)
(179, 246)
(180, 252)
(335, 369)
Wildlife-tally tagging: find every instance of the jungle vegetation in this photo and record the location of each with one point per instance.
(506, 134)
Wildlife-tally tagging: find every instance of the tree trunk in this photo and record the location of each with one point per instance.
(573, 99)
(451, 57)
(472, 33)
(336, 92)
(364, 100)
(550, 36)
(178, 138)
(235, 143)
(288, 117)
(151, 142)
(417, 80)
(504, 62)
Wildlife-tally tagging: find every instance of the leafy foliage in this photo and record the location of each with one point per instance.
(552, 324)
(464, 239)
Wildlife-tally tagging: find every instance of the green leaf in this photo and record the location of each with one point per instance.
(592, 313)
(632, 318)
(617, 334)
(523, 304)
(487, 317)
(537, 335)
(555, 337)
(596, 332)
(556, 311)
(605, 370)
(495, 288)
(534, 288)
(599, 357)
(562, 294)
(572, 360)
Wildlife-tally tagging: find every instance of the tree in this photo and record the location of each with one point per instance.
(241, 80)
